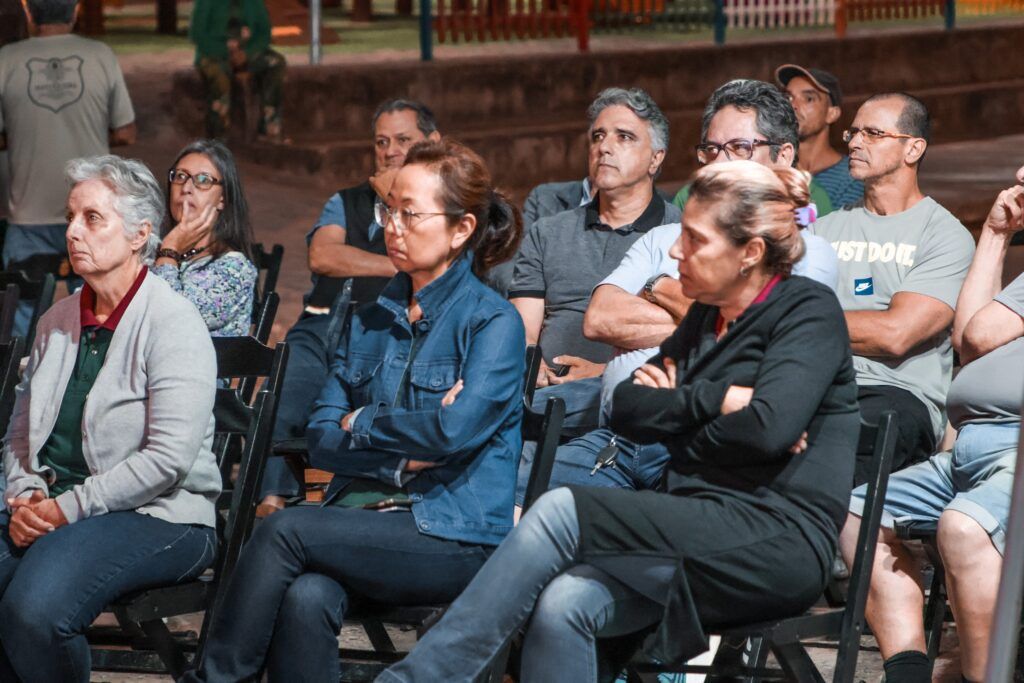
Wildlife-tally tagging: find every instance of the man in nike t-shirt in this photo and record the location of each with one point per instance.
(902, 260)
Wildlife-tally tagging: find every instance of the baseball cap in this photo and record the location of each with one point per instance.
(820, 79)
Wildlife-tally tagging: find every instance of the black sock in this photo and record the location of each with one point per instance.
(908, 667)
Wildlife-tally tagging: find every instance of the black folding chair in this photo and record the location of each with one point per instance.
(10, 360)
(8, 309)
(784, 637)
(268, 266)
(39, 291)
(263, 317)
(141, 616)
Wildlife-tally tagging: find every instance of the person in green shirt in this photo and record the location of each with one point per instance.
(233, 36)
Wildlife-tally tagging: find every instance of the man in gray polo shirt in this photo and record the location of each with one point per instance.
(964, 495)
(563, 257)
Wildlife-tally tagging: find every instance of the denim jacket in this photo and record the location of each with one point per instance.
(398, 373)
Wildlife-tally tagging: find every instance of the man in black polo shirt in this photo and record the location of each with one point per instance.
(563, 257)
(346, 243)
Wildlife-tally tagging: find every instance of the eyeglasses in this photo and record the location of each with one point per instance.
(404, 218)
(201, 181)
(872, 134)
(738, 148)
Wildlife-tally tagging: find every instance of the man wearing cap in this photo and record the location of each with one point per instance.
(816, 98)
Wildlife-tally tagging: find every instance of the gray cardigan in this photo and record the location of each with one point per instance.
(147, 430)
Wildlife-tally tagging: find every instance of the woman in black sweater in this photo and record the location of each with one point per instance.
(754, 395)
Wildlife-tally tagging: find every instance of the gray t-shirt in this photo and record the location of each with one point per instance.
(924, 250)
(563, 257)
(59, 98)
(991, 388)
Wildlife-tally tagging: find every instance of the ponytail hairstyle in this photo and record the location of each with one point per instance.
(751, 200)
(466, 188)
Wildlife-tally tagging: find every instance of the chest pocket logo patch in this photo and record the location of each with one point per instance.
(863, 286)
(55, 83)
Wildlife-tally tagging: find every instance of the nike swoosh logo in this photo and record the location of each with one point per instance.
(862, 287)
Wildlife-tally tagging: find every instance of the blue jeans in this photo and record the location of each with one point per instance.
(54, 589)
(22, 242)
(533, 575)
(637, 466)
(286, 600)
(582, 404)
(309, 356)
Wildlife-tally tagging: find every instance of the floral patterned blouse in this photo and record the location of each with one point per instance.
(222, 289)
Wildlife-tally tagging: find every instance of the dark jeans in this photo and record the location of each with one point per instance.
(311, 342)
(637, 466)
(286, 600)
(916, 440)
(53, 590)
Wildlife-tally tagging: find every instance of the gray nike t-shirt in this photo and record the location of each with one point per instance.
(59, 98)
(991, 388)
(924, 250)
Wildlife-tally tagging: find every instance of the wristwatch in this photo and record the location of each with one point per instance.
(649, 287)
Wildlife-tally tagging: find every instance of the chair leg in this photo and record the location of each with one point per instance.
(378, 635)
(756, 657)
(166, 648)
(796, 663)
(935, 611)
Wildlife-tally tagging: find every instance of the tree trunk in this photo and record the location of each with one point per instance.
(167, 16)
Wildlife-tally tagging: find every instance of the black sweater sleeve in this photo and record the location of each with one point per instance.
(647, 415)
(806, 350)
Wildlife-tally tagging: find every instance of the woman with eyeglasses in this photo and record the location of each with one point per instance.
(207, 250)
(419, 422)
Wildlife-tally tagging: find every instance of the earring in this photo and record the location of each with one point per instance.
(745, 271)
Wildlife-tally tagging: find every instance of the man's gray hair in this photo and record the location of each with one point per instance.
(138, 198)
(52, 11)
(638, 102)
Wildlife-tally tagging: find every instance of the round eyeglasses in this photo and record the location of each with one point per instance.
(404, 219)
(201, 181)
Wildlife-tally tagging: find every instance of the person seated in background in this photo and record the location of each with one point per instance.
(817, 100)
(902, 259)
(546, 199)
(207, 250)
(746, 527)
(964, 495)
(235, 36)
(112, 483)
(641, 302)
(564, 256)
(345, 244)
(423, 482)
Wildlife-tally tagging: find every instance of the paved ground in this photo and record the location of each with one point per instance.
(964, 176)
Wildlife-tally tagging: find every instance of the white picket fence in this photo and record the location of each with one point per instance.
(767, 14)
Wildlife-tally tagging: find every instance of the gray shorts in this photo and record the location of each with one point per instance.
(975, 479)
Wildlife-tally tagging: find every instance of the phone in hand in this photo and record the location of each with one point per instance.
(560, 369)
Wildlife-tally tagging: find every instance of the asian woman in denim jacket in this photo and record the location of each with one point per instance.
(420, 423)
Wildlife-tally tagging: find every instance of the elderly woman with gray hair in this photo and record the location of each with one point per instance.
(111, 477)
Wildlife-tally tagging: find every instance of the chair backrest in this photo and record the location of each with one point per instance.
(263, 317)
(249, 425)
(544, 429)
(38, 290)
(883, 436)
(8, 308)
(10, 361)
(268, 267)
